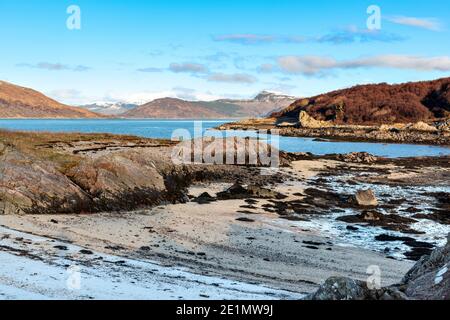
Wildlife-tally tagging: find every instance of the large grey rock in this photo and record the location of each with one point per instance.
(429, 279)
(340, 288)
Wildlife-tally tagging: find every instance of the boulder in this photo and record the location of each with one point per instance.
(396, 127)
(204, 198)
(340, 288)
(421, 126)
(429, 279)
(231, 150)
(357, 157)
(306, 121)
(238, 191)
(366, 198)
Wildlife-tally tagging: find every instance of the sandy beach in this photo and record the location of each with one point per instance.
(209, 240)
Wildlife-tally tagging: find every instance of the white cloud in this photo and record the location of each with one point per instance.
(317, 65)
(232, 78)
(55, 66)
(308, 65)
(424, 23)
(401, 62)
(266, 68)
(188, 67)
(150, 69)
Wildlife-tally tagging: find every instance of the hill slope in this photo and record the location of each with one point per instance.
(170, 108)
(20, 102)
(377, 103)
(261, 105)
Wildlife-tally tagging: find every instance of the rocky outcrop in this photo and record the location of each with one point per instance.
(436, 134)
(357, 157)
(29, 185)
(120, 180)
(417, 126)
(231, 151)
(429, 279)
(112, 175)
(306, 121)
(443, 125)
(341, 288)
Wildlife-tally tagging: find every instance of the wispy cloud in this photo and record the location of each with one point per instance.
(318, 65)
(353, 34)
(254, 39)
(232, 78)
(350, 34)
(150, 70)
(266, 68)
(432, 24)
(188, 67)
(55, 66)
(245, 38)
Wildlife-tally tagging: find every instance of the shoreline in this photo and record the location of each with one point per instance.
(288, 231)
(350, 133)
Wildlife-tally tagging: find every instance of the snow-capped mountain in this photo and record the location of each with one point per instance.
(109, 108)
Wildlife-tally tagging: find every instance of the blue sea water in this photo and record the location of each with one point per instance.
(165, 128)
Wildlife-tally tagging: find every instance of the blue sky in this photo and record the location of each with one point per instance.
(141, 50)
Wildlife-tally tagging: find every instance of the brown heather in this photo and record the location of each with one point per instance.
(378, 104)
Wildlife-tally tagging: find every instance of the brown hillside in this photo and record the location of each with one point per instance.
(378, 103)
(171, 108)
(20, 102)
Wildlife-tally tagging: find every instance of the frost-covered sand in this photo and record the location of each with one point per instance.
(34, 267)
(210, 250)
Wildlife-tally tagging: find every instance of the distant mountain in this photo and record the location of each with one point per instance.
(171, 108)
(377, 104)
(109, 109)
(263, 104)
(20, 102)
